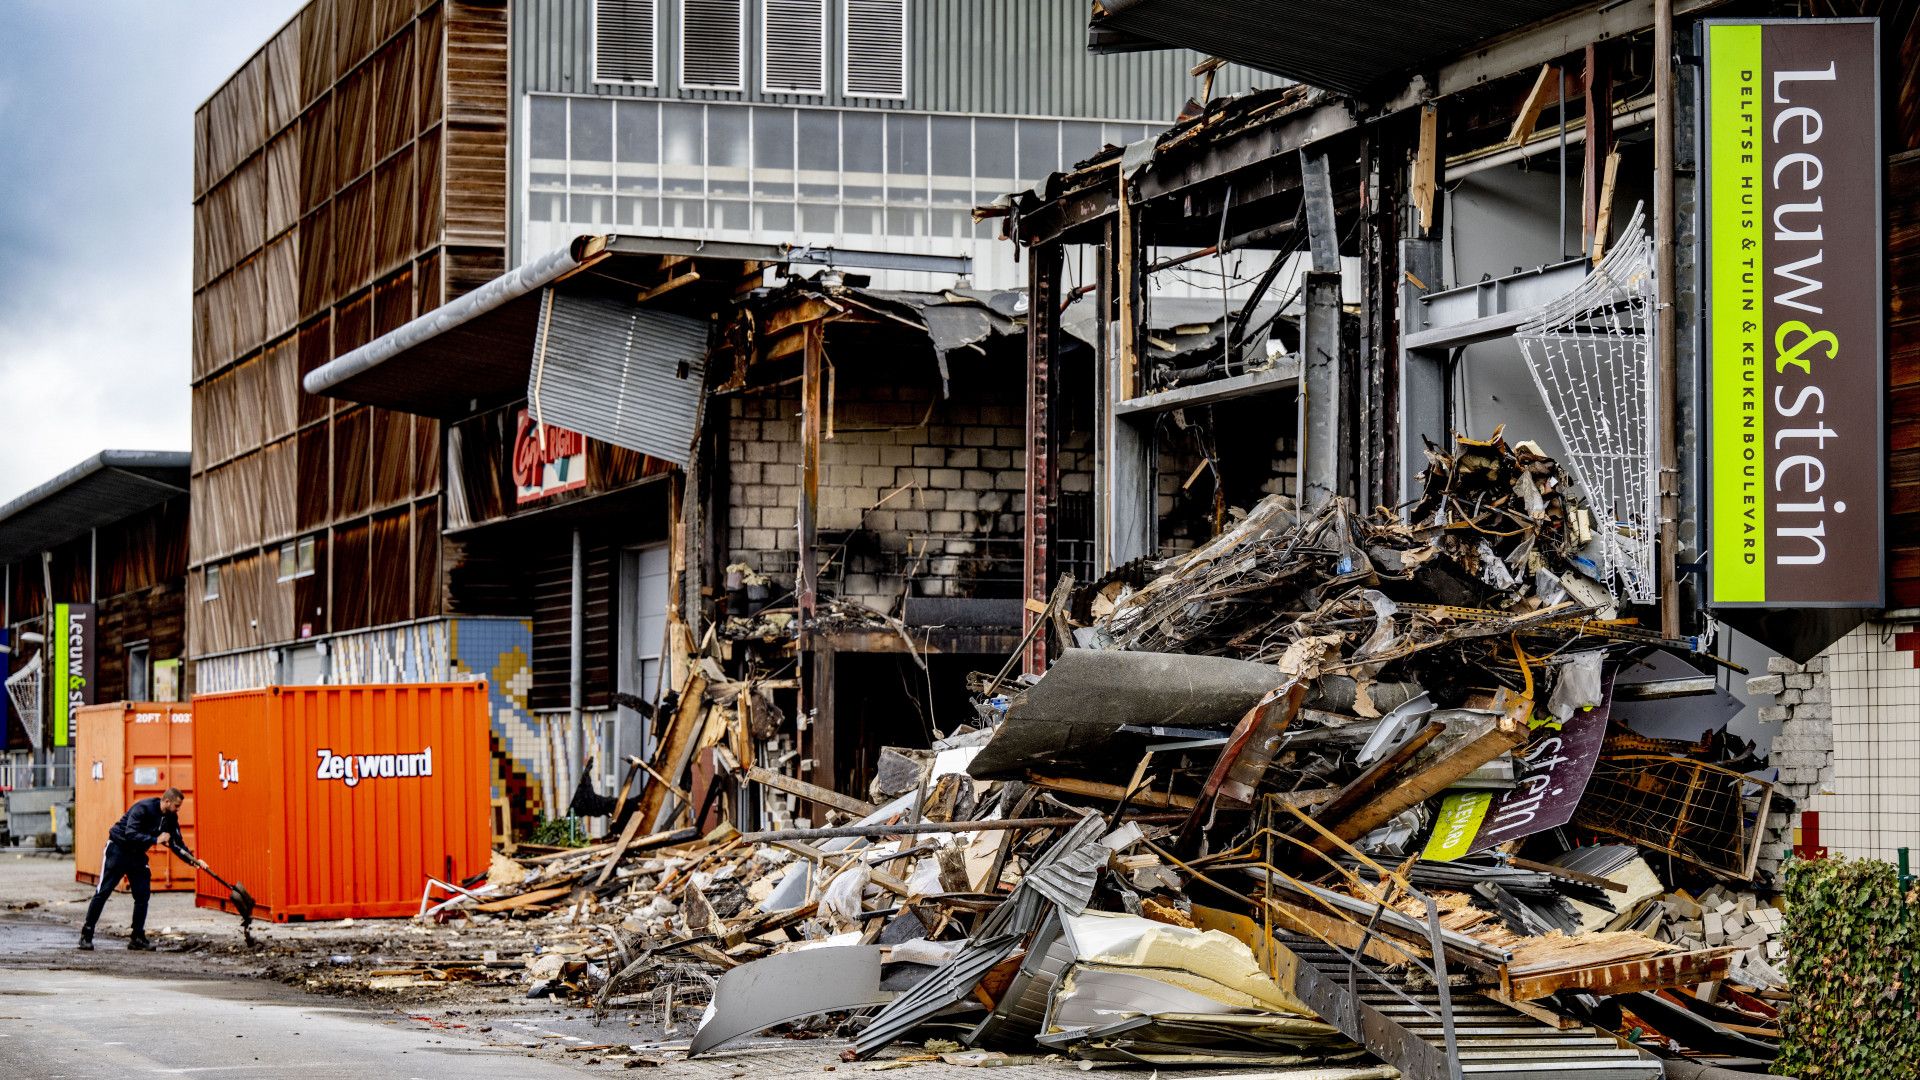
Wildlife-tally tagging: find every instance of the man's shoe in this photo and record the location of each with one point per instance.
(139, 943)
(86, 943)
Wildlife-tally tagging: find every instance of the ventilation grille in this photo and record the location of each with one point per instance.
(876, 48)
(794, 43)
(710, 41)
(623, 40)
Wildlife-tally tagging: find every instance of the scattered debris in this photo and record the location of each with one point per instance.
(1334, 791)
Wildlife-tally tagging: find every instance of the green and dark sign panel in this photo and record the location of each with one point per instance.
(1790, 174)
(71, 649)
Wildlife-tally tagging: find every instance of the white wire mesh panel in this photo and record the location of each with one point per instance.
(23, 687)
(1591, 356)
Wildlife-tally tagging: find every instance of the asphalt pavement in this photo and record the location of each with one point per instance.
(92, 1023)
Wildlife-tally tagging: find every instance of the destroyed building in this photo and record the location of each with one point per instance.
(1310, 624)
(371, 163)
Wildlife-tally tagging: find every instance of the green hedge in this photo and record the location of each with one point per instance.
(1851, 936)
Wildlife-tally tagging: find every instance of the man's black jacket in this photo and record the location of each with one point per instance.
(140, 828)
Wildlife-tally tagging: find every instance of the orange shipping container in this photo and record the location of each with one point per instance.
(335, 802)
(127, 751)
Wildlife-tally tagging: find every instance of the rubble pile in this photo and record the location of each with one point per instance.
(1337, 790)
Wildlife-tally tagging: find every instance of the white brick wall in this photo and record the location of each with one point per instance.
(1871, 806)
(1846, 741)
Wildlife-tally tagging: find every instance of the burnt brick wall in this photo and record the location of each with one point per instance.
(954, 531)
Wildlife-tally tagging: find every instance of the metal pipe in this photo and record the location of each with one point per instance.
(921, 828)
(576, 654)
(93, 565)
(1560, 238)
(1469, 164)
(1663, 60)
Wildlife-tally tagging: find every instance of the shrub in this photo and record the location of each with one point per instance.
(1851, 936)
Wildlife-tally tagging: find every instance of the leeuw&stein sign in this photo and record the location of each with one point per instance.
(1791, 258)
(72, 649)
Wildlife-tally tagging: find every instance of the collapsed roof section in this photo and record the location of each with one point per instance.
(1342, 46)
(948, 329)
(478, 351)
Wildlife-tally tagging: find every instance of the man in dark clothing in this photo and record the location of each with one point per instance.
(146, 823)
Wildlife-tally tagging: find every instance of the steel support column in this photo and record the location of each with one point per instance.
(1043, 467)
(576, 740)
(1664, 329)
(1321, 467)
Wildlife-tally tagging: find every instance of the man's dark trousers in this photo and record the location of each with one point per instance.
(121, 862)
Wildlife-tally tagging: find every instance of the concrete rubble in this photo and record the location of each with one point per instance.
(1383, 738)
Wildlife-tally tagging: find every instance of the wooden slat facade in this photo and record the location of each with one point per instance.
(1903, 377)
(137, 580)
(350, 176)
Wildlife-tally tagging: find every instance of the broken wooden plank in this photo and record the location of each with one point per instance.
(1426, 166)
(1545, 85)
(676, 747)
(525, 899)
(1074, 785)
(1356, 792)
(1624, 976)
(1483, 741)
(793, 785)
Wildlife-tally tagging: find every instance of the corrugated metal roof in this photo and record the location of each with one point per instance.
(105, 488)
(620, 373)
(1336, 44)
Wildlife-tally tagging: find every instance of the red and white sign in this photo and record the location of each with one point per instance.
(543, 467)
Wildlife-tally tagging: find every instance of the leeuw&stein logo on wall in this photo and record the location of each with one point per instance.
(1794, 321)
(351, 769)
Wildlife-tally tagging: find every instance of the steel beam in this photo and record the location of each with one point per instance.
(797, 255)
(1321, 466)
(1043, 470)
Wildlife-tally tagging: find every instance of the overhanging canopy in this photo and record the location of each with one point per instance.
(1335, 44)
(110, 486)
(478, 350)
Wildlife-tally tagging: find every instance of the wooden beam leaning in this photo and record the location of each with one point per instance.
(795, 786)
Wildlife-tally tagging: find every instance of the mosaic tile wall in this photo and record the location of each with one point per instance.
(400, 654)
(501, 651)
(235, 671)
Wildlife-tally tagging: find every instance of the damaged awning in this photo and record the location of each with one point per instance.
(478, 350)
(1339, 46)
(620, 373)
(953, 325)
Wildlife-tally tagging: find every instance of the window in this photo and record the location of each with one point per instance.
(645, 596)
(211, 589)
(876, 51)
(793, 46)
(625, 47)
(712, 44)
(296, 558)
(139, 673)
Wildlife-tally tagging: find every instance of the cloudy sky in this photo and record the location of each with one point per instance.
(96, 233)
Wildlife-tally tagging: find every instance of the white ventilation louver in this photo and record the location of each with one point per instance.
(624, 39)
(793, 47)
(711, 39)
(876, 48)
